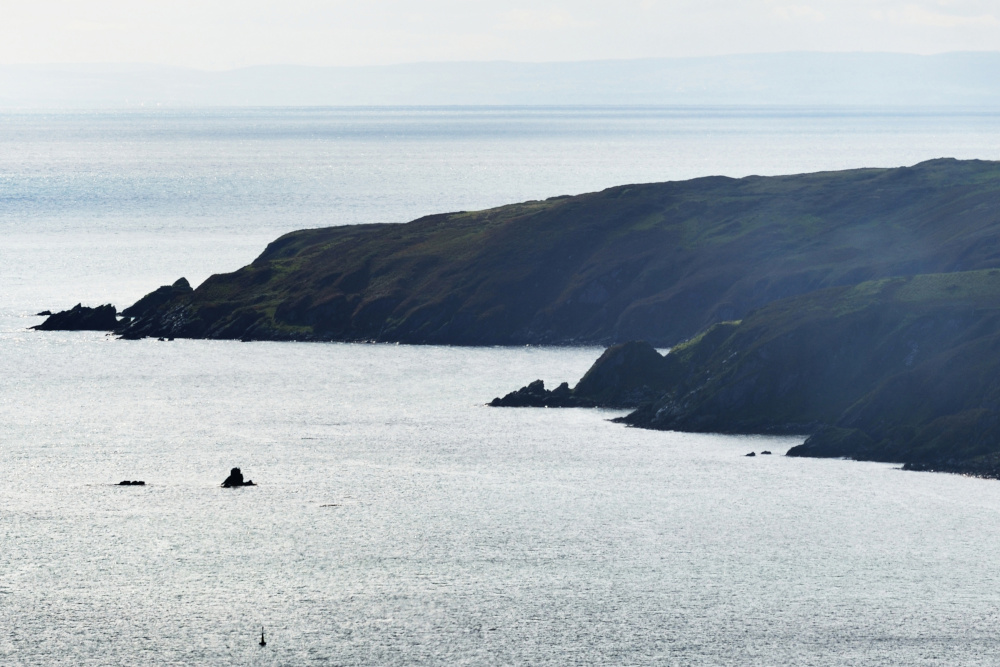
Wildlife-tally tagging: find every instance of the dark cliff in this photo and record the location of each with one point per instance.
(658, 262)
(904, 370)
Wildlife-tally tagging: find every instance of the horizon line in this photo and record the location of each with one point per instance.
(138, 64)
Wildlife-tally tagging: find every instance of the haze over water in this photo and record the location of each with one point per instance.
(397, 520)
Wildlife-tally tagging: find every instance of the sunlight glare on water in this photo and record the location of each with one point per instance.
(397, 520)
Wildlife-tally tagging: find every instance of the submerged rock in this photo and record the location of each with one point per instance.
(236, 479)
(82, 318)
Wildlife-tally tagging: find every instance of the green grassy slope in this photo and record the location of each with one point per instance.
(658, 262)
(902, 369)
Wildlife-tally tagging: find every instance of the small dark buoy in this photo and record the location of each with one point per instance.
(262, 642)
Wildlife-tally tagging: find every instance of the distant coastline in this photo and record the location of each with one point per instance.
(960, 79)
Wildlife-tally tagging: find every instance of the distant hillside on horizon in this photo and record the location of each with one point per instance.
(844, 79)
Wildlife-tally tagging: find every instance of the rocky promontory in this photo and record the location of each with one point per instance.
(625, 376)
(657, 262)
(902, 370)
(106, 317)
(82, 318)
(535, 395)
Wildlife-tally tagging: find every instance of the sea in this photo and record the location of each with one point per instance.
(396, 519)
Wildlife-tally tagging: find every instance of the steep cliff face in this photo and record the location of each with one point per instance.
(657, 262)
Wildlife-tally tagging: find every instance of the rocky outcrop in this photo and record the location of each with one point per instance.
(157, 314)
(535, 395)
(236, 479)
(82, 318)
(157, 299)
(624, 376)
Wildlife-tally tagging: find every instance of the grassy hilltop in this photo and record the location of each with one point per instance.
(658, 262)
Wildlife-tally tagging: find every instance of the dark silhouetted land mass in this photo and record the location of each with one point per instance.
(657, 262)
(81, 318)
(900, 370)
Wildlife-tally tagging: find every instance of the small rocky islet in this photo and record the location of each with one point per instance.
(859, 308)
(235, 479)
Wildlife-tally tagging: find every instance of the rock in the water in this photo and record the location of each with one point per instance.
(765, 453)
(535, 395)
(44, 313)
(751, 454)
(236, 479)
(126, 482)
(82, 318)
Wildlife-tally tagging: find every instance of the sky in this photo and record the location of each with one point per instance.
(227, 34)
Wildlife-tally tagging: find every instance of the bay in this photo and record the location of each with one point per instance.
(397, 520)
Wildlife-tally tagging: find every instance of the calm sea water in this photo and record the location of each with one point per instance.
(397, 520)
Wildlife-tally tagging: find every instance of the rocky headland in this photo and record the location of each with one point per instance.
(859, 308)
(900, 370)
(657, 262)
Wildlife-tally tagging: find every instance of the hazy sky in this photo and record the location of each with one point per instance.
(222, 34)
